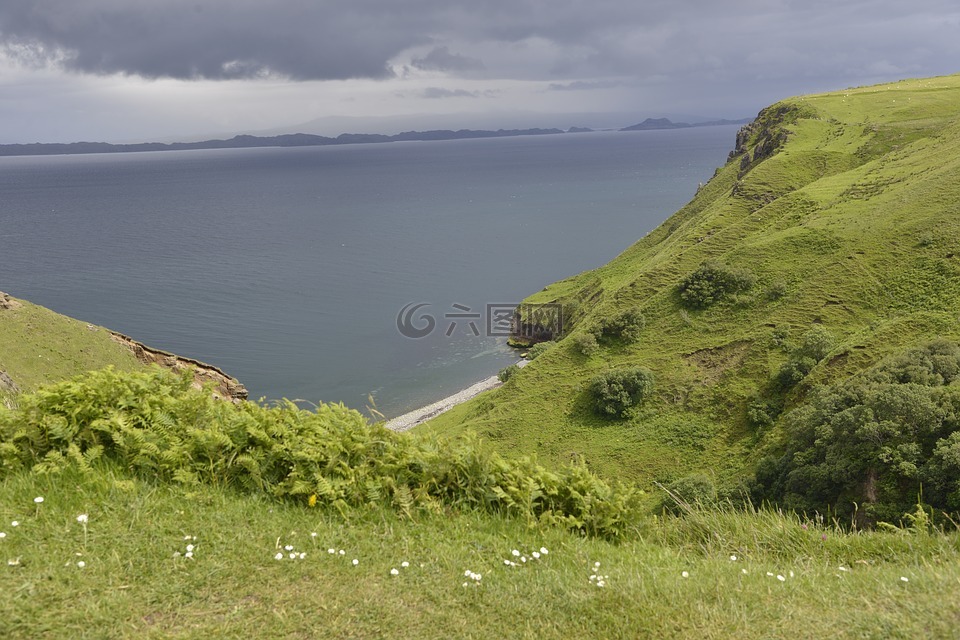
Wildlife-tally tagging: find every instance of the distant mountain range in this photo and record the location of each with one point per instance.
(310, 140)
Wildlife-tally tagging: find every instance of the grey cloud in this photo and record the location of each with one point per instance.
(306, 39)
(441, 59)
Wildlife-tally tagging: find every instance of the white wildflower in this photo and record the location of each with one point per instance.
(331, 551)
(188, 554)
(596, 564)
(780, 578)
(355, 562)
(82, 518)
(2, 535)
(293, 556)
(279, 556)
(506, 562)
(743, 571)
(544, 551)
(342, 552)
(313, 535)
(404, 564)
(515, 553)
(685, 574)
(14, 524)
(904, 579)
(536, 555)
(523, 558)
(302, 555)
(289, 547)
(791, 574)
(38, 499)
(189, 547)
(394, 572)
(81, 564)
(733, 558)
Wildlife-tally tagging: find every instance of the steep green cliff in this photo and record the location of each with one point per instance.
(842, 212)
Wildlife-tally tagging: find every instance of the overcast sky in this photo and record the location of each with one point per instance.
(125, 70)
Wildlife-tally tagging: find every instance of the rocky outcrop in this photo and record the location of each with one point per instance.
(7, 303)
(762, 138)
(203, 373)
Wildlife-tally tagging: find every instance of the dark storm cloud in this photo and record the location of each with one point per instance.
(314, 39)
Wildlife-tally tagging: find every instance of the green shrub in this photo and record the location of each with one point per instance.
(155, 425)
(508, 372)
(877, 440)
(627, 325)
(693, 490)
(780, 335)
(537, 350)
(761, 415)
(713, 282)
(616, 392)
(793, 371)
(814, 346)
(586, 344)
(777, 290)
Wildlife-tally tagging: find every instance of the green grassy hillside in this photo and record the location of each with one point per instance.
(844, 207)
(39, 346)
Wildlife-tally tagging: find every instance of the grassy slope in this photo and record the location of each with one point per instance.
(135, 586)
(39, 346)
(857, 215)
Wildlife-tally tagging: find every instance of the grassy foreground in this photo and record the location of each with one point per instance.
(137, 581)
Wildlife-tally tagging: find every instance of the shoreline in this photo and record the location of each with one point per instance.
(415, 418)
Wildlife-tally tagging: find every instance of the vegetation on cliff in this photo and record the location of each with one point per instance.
(828, 243)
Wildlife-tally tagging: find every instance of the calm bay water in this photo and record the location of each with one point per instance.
(287, 267)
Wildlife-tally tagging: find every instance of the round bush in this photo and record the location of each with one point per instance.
(627, 325)
(616, 392)
(712, 282)
(586, 344)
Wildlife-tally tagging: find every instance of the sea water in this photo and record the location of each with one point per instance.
(288, 267)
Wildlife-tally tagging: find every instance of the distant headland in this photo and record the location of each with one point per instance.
(311, 140)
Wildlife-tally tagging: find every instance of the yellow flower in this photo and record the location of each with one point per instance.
(312, 500)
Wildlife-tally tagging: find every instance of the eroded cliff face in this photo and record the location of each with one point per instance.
(203, 373)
